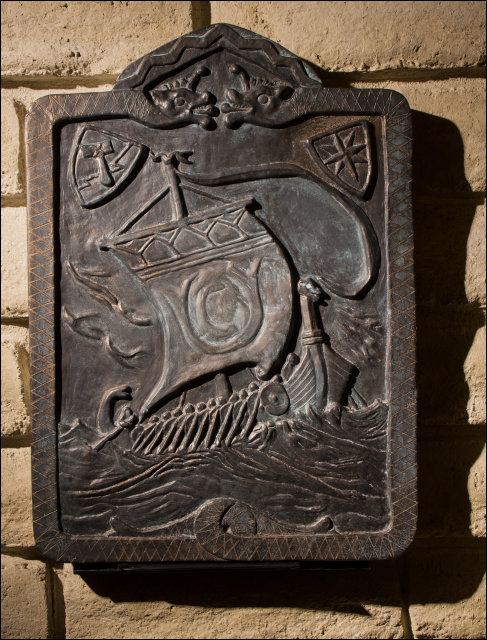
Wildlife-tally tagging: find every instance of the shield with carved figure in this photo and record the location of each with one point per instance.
(103, 162)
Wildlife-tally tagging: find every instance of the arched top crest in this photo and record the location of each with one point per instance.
(200, 47)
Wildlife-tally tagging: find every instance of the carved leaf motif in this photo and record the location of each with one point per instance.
(90, 326)
(107, 298)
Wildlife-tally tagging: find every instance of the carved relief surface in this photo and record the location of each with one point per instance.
(228, 337)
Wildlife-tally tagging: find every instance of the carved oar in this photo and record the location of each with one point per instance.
(104, 419)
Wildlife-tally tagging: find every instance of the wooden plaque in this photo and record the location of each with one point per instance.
(222, 312)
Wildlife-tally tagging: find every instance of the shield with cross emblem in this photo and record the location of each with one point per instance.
(345, 154)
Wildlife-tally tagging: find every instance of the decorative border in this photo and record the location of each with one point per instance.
(52, 111)
(138, 74)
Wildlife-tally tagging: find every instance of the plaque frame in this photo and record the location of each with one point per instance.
(44, 120)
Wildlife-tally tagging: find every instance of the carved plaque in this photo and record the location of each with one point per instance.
(222, 312)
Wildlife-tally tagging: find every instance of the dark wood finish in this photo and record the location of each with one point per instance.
(222, 313)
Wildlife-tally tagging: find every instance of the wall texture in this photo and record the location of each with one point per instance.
(433, 53)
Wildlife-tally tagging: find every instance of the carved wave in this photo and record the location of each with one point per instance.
(305, 469)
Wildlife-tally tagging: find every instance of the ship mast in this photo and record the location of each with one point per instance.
(170, 161)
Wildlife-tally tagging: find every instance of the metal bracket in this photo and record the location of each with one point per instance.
(183, 567)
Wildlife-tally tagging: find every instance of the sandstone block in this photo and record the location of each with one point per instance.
(25, 600)
(11, 142)
(449, 250)
(451, 362)
(349, 36)
(352, 604)
(476, 491)
(475, 377)
(16, 499)
(475, 263)
(15, 381)
(447, 592)
(451, 501)
(449, 133)
(85, 38)
(15, 298)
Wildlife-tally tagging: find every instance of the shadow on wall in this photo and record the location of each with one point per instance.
(446, 325)
(444, 207)
(442, 566)
(438, 575)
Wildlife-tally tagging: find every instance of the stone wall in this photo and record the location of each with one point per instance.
(433, 53)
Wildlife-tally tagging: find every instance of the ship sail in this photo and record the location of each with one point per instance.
(221, 284)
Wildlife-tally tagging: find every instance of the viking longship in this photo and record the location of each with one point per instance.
(223, 291)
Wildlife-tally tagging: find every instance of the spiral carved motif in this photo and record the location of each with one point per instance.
(224, 308)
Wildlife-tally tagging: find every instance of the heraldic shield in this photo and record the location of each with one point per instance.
(102, 164)
(222, 313)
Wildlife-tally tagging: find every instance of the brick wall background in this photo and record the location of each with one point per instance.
(433, 53)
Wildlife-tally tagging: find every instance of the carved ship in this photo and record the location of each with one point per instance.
(222, 289)
(223, 292)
